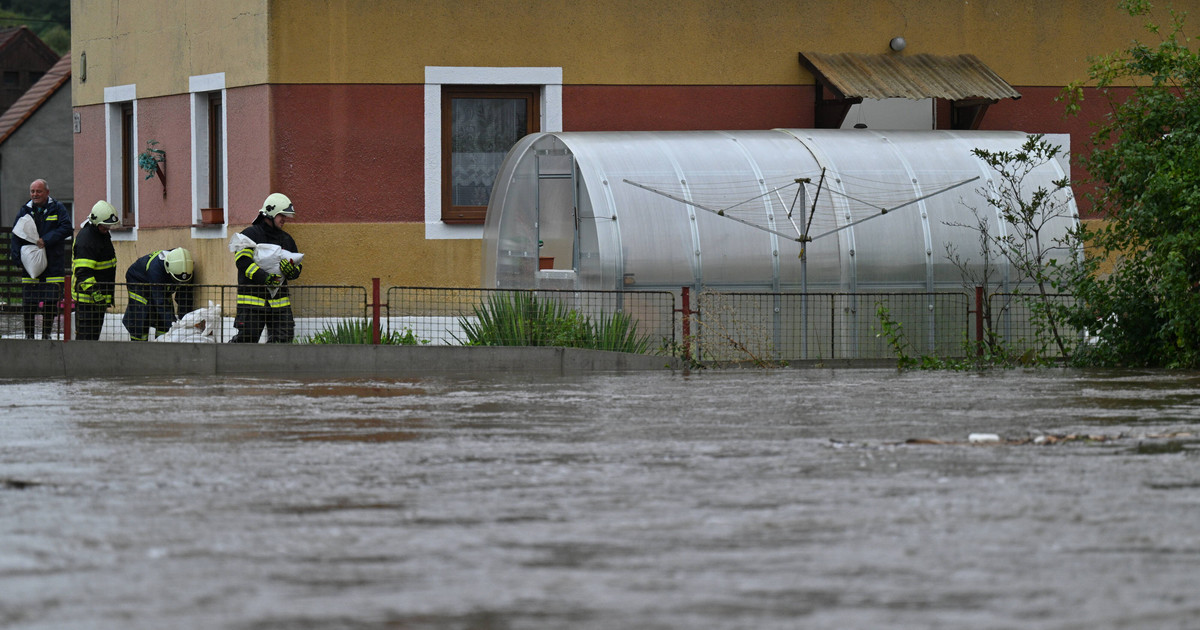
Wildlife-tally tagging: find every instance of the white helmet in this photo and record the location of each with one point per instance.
(104, 214)
(276, 204)
(178, 262)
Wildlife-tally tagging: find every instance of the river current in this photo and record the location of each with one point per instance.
(852, 498)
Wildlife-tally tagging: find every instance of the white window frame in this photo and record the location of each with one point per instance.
(114, 98)
(550, 80)
(199, 87)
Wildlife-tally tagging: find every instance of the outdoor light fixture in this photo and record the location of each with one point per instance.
(897, 44)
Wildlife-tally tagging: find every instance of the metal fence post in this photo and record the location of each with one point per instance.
(67, 307)
(979, 320)
(375, 311)
(686, 310)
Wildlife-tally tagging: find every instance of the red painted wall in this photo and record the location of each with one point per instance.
(167, 120)
(674, 108)
(89, 160)
(355, 152)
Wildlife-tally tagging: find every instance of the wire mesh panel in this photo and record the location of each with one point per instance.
(331, 314)
(798, 326)
(1026, 322)
(638, 321)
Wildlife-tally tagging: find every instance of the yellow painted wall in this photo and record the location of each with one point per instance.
(396, 253)
(684, 42)
(334, 254)
(158, 44)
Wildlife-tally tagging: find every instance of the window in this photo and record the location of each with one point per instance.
(479, 126)
(128, 172)
(120, 147)
(209, 157)
(543, 84)
(12, 79)
(216, 152)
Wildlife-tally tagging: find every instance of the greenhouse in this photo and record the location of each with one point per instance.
(794, 242)
(869, 210)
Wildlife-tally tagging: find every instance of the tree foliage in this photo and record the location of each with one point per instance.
(1146, 167)
(48, 19)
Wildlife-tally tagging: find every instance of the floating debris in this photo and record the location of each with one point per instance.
(1048, 439)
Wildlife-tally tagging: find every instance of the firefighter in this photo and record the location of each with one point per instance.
(94, 268)
(160, 292)
(262, 298)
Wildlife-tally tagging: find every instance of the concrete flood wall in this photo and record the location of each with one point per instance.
(22, 358)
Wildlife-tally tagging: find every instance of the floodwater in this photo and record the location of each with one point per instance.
(716, 499)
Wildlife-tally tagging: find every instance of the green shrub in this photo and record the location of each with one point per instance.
(359, 331)
(521, 319)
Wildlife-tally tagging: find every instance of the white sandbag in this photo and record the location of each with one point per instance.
(266, 255)
(195, 327)
(32, 256)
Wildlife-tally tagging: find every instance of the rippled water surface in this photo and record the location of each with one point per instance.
(719, 499)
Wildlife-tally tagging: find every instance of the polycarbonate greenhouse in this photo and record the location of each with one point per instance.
(731, 210)
(795, 240)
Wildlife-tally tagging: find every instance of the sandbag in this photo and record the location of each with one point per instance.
(195, 327)
(266, 255)
(33, 258)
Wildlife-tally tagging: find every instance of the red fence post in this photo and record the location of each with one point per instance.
(979, 320)
(67, 307)
(375, 311)
(685, 294)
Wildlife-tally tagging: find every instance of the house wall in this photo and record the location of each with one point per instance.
(34, 151)
(326, 99)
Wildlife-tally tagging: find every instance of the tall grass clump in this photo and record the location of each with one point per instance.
(359, 331)
(521, 319)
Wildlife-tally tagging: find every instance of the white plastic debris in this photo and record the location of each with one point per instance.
(982, 438)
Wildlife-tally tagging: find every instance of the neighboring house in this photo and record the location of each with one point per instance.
(24, 58)
(386, 121)
(36, 142)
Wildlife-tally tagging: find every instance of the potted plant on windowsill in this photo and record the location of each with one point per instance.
(151, 161)
(212, 216)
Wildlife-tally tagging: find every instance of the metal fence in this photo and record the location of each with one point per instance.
(801, 326)
(447, 316)
(1026, 322)
(721, 326)
(317, 310)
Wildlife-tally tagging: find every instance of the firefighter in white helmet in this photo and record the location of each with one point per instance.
(161, 292)
(94, 270)
(263, 301)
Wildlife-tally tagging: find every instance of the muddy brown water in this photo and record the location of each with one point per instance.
(717, 499)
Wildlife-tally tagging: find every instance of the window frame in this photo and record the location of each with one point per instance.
(210, 153)
(548, 79)
(455, 214)
(120, 145)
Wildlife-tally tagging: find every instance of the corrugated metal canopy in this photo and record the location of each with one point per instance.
(958, 78)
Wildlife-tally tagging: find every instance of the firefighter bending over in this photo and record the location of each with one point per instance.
(160, 292)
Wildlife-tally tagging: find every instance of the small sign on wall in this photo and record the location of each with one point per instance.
(75, 121)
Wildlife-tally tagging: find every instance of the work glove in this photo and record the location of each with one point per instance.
(273, 279)
(290, 270)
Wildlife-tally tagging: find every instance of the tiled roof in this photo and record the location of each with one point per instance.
(34, 97)
(957, 78)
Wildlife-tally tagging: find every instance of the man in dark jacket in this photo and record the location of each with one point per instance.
(160, 292)
(42, 294)
(263, 299)
(94, 270)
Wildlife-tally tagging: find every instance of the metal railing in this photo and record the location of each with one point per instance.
(448, 316)
(716, 326)
(803, 326)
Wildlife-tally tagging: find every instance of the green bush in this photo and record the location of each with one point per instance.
(521, 319)
(359, 331)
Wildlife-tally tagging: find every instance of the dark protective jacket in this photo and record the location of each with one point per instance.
(54, 226)
(150, 284)
(256, 287)
(94, 266)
